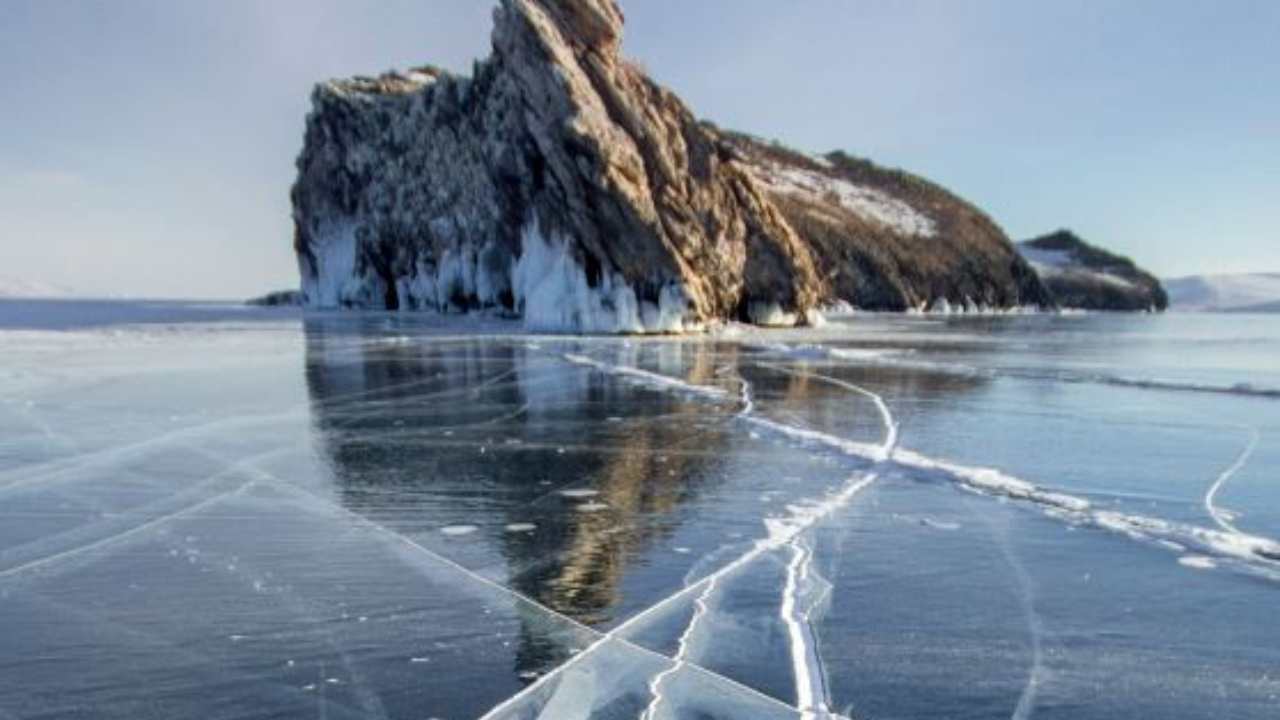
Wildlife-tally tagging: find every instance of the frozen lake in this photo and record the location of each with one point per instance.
(217, 512)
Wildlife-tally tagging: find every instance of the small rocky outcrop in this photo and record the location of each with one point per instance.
(278, 298)
(1087, 277)
(560, 184)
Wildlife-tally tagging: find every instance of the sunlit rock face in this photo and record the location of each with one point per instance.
(560, 184)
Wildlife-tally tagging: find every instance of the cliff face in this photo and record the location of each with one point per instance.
(560, 184)
(1087, 277)
(888, 240)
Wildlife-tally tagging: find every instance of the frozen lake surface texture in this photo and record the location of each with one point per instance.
(215, 512)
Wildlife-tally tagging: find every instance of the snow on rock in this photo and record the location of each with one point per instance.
(560, 184)
(557, 183)
(865, 202)
(1083, 276)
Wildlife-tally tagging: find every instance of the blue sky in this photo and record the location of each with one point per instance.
(146, 148)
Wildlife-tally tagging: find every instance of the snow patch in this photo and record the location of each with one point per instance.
(865, 202)
(1199, 562)
(579, 493)
(458, 530)
(1054, 263)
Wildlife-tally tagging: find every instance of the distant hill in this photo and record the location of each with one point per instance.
(21, 288)
(1084, 276)
(1243, 292)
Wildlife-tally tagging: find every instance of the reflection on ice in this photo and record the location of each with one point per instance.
(394, 521)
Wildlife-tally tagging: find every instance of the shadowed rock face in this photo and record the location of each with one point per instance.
(1084, 276)
(561, 184)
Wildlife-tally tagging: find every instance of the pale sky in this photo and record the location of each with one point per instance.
(147, 148)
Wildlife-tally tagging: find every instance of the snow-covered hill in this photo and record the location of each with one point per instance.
(20, 288)
(1258, 292)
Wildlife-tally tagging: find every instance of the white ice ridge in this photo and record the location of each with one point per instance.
(647, 378)
(615, 635)
(806, 665)
(877, 357)
(657, 685)
(781, 532)
(890, 426)
(1221, 517)
(1251, 549)
(812, 699)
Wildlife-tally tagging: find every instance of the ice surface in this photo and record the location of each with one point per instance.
(396, 516)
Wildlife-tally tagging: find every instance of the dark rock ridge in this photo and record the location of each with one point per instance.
(560, 184)
(278, 298)
(1087, 277)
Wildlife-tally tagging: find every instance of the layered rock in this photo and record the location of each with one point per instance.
(560, 184)
(1087, 277)
(888, 240)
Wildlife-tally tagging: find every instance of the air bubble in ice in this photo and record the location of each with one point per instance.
(580, 493)
(456, 530)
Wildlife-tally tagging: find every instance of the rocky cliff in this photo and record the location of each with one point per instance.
(560, 184)
(1087, 277)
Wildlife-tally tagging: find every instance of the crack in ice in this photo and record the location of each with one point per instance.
(20, 478)
(811, 694)
(242, 465)
(1222, 517)
(603, 637)
(682, 652)
(983, 480)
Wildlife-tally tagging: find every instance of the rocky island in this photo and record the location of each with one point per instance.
(560, 184)
(1086, 277)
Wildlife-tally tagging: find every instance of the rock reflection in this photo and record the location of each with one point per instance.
(425, 430)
